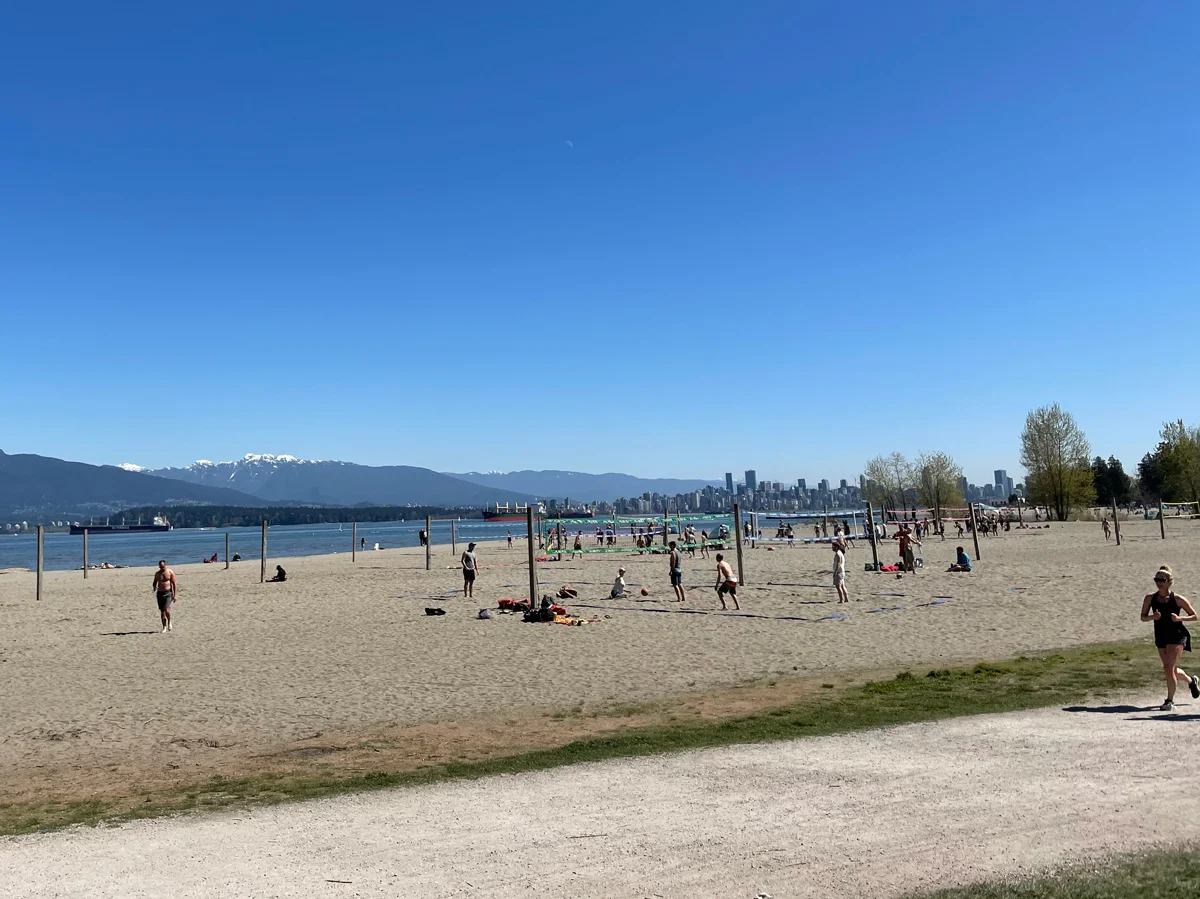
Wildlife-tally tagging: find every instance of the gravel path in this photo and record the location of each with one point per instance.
(874, 813)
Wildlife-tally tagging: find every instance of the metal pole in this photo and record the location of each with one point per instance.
(1162, 525)
(227, 550)
(262, 576)
(85, 553)
(975, 530)
(533, 578)
(354, 542)
(453, 539)
(428, 539)
(558, 533)
(871, 535)
(825, 522)
(39, 563)
(1116, 523)
(737, 527)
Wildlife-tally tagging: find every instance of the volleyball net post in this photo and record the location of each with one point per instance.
(871, 536)
(737, 533)
(975, 531)
(1162, 525)
(1116, 522)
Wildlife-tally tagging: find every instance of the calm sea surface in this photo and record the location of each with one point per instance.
(64, 552)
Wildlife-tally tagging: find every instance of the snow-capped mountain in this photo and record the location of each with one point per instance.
(282, 477)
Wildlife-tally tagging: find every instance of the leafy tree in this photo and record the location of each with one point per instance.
(1178, 459)
(937, 478)
(1150, 477)
(1111, 481)
(1055, 453)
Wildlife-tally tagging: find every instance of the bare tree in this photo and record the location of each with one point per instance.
(889, 481)
(937, 480)
(1056, 455)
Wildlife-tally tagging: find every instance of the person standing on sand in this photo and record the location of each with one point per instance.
(362, 544)
(839, 570)
(907, 556)
(166, 588)
(1107, 529)
(676, 572)
(510, 539)
(577, 550)
(726, 583)
(469, 565)
(1168, 610)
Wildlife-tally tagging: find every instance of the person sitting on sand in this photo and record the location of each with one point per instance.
(566, 591)
(280, 576)
(618, 587)
(962, 562)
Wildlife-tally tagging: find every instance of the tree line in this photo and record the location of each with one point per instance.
(244, 516)
(1061, 472)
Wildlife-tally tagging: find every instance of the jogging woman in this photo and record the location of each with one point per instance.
(1169, 611)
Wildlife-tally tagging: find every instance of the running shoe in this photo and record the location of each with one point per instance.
(1194, 686)
(1167, 706)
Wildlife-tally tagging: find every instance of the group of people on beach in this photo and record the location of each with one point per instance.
(1170, 612)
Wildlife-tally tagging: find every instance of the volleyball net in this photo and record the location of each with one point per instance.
(1180, 510)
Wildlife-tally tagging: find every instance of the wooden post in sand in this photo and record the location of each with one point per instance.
(85, 553)
(870, 526)
(1162, 525)
(39, 563)
(825, 524)
(262, 577)
(533, 578)
(428, 539)
(558, 534)
(1116, 523)
(354, 542)
(226, 550)
(453, 538)
(975, 530)
(737, 527)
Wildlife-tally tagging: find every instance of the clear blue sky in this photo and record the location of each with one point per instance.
(765, 235)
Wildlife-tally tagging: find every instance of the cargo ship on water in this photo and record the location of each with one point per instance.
(159, 524)
(518, 511)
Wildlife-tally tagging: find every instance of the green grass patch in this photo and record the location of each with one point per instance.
(1157, 875)
(1065, 676)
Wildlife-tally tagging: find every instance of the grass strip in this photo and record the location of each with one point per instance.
(1155, 875)
(1064, 676)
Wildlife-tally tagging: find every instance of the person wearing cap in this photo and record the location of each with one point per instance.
(469, 566)
(618, 587)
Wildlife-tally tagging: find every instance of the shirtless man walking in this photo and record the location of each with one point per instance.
(165, 590)
(726, 583)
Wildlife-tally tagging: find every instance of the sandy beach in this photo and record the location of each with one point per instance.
(266, 676)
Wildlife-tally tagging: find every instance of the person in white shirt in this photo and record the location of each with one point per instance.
(839, 571)
(618, 587)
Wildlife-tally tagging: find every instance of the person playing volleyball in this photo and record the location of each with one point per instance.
(1168, 610)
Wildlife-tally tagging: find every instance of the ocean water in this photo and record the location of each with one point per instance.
(64, 552)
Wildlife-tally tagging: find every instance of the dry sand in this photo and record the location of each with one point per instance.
(95, 698)
(867, 814)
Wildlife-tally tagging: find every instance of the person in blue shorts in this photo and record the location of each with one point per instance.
(962, 563)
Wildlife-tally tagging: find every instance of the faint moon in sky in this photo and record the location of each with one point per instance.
(569, 144)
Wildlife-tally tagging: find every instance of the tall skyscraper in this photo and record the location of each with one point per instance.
(843, 484)
(751, 480)
(729, 481)
(962, 487)
(1001, 478)
(803, 486)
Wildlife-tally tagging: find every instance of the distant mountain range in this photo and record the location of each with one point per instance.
(281, 478)
(586, 488)
(39, 487)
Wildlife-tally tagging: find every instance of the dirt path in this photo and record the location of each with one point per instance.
(866, 814)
